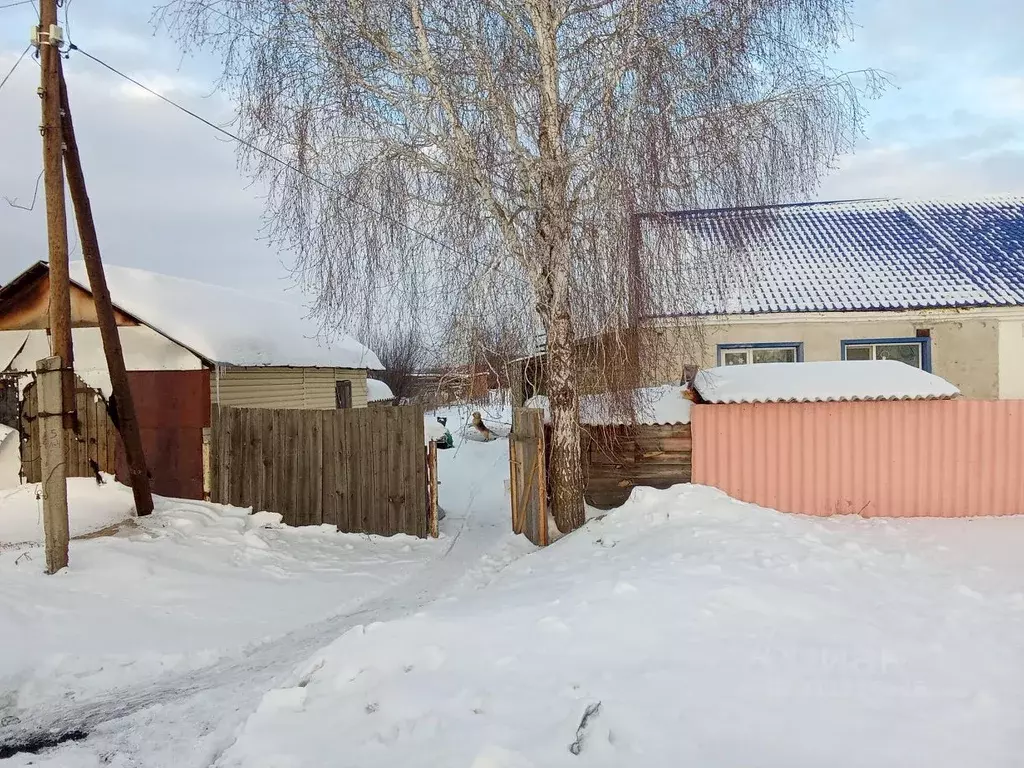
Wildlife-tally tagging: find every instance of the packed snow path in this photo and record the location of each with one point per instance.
(188, 719)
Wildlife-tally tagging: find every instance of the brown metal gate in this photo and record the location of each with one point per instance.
(527, 474)
(173, 408)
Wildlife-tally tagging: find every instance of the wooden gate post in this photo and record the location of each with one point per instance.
(527, 470)
(50, 413)
(432, 480)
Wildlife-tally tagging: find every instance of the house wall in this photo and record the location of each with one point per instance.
(144, 350)
(1011, 359)
(29, 309)
(979, 351)
(284, 387)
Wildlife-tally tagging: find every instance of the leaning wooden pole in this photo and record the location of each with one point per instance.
(49, 39)
(124, 406)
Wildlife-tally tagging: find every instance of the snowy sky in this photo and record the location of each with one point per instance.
(168, 195)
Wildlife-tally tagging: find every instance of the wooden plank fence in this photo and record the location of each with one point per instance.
(361, 469)
(528, 475)
(95, 442)
(620, 457)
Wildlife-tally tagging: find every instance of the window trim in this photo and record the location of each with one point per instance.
(797, 345)
(925, 342)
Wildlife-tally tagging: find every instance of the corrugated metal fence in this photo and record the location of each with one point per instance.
(944, 458)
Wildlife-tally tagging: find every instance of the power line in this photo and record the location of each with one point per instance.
(284, 163)
(11, 72)
(12, 5)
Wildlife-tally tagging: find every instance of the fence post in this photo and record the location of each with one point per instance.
(50, 412)
(432, 475)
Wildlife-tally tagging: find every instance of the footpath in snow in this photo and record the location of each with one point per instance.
(158, 641)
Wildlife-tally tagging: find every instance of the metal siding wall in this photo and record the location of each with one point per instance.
(950, 458)
(286, 387)
(360, 393)
(259, 387)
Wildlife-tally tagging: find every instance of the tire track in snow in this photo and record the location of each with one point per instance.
(203, 707)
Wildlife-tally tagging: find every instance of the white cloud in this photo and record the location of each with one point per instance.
(165, 189)
(1002, 95)
(929, 170)
(165, 84)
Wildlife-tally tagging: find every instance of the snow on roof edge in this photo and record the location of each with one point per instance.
(658, 407)
(230, 338)
(825, 381)
(378, 391)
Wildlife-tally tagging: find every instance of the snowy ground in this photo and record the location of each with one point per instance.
(695, 630)
(700, 631)
(159, 641)
(95, 507)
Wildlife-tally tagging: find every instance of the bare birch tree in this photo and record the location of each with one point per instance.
(495, 151)
(403, 351)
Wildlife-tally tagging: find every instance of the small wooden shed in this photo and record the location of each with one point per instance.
(189, 347)
(653, 448)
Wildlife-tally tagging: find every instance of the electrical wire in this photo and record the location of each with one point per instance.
(13, 5)
(284, 163)
(11, 72)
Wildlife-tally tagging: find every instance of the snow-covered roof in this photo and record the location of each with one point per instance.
(882, 254)
(225, 325)
(378, 390)
(820, 382)
(654, 405)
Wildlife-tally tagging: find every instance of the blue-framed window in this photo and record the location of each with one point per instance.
(761, 352)
(915, 350)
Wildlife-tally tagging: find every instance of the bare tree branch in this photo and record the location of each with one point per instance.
(530, 135)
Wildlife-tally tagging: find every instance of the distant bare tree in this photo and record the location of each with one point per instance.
(403, 352)
(494, 152)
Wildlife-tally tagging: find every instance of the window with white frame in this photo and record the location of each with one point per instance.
(737, 354)
(913, 352)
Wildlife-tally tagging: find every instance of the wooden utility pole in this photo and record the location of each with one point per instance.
(56, 384)
(51, 460)
(56, 214)
(127, 421)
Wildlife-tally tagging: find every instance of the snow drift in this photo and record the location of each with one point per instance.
(686, 629)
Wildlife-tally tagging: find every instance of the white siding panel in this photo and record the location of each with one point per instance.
(360, 392)
(311, 388)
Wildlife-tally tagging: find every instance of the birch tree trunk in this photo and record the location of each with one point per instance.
(566, 471)
(566, 468)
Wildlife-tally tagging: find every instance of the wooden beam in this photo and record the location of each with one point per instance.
(127, 421)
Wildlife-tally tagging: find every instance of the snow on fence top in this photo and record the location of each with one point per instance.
(820, 382)
(377, 390)
(655, 405)
(224, 325)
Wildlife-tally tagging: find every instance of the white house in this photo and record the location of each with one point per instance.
(257, 352)
(936, 284)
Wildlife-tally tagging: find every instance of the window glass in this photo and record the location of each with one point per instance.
(774, 355)
(735, 357)
(905, 353)
(859, 353)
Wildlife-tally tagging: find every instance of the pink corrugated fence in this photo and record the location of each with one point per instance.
(935, 458)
